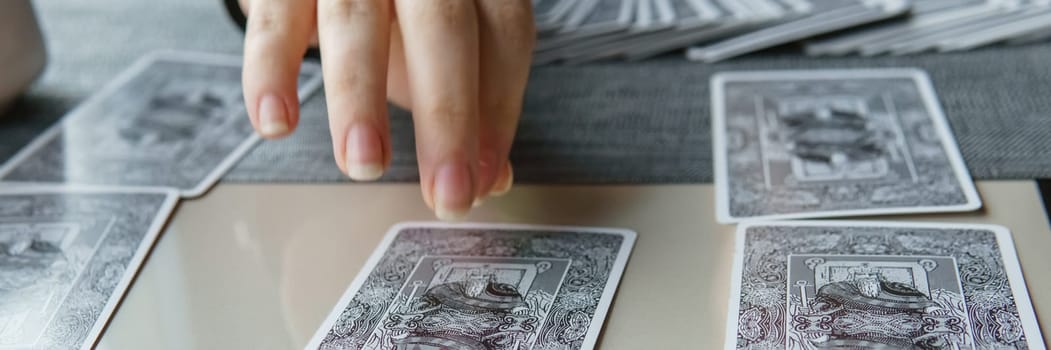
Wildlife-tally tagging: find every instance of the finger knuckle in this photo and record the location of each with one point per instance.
(512, 22)
(343, 82)
(266, 22)
(499, 105)
(451, 11)
(449, 113)
(350, 8)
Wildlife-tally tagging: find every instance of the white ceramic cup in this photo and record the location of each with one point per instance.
(22, 54)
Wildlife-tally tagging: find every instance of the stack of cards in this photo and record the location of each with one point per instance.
(576, 31)
(81, 205)
(944, 26)
(819, 144)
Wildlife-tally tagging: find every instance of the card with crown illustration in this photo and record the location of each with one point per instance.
(480, 286)
(878, 285)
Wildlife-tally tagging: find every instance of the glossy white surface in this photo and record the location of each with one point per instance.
(260, 266)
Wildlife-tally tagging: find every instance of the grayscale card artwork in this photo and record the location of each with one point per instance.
(66, 258)
(171, 120)
(805, 144)
(492, 287)
(869, 285)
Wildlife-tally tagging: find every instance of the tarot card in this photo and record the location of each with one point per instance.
(673, 17)
(928, 41)
(1037, 36)
(921, 17)
(172, 120)
(694, 36)
(1027, 26)
(698, 21)
(596, 18)
(692, 22)
(871, 285)
(737, 9)
(821, 22)
(66, 258)
(550, 14)
(665, 23)
(827, 143)
(765, 8)
(639, 14)
(480, 286)
(910, 37)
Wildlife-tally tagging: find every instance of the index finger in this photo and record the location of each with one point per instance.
(276, 38)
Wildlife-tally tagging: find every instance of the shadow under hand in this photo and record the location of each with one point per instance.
(27, 118)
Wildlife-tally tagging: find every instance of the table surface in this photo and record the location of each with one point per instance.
(260, 266)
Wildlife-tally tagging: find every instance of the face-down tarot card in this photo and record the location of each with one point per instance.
(66, 258)
(872, 285)
(480, 286)
(810, 144)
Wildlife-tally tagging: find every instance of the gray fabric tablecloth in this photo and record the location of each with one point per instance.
(603, 123)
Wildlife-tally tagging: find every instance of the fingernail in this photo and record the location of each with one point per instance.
(503, 184)
(453, 194)
(364, 153)
(477, 202)
(272, 119)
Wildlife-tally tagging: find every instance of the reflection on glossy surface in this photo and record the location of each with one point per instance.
(260, 266)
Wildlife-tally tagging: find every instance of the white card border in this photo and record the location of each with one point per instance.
(147, 243)
(138, 67)
(600, 312)
(1012, 267)
(923, 82)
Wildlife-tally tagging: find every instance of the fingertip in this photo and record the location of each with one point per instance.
(489, 168)
(365, 158)
(504, 181)
(273, 117)
(453, 192)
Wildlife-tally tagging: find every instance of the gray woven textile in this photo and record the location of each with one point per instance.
(603, 123)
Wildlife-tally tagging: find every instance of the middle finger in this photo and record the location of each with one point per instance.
(354, 46)
(441, 52)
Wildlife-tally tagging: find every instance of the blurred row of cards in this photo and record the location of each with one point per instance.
(579, 31)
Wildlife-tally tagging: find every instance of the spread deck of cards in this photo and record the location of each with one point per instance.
(81, 206)
(578, 31)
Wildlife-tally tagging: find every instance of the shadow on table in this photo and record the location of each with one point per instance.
(28, 117)
(1045, 193)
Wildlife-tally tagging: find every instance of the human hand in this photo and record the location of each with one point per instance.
(22, 53)
(461, 66)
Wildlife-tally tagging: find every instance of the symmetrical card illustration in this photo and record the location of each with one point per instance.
(493, 287)
(171, 120)
(869, 285)
(66, 258)
(806, 144)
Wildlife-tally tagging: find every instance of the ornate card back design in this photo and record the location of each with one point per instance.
(489, 287)
(864, 285)
(811, 144)
(174, 121)
(39, 263)
(875, 301)
(819, 139)
(472, 302)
